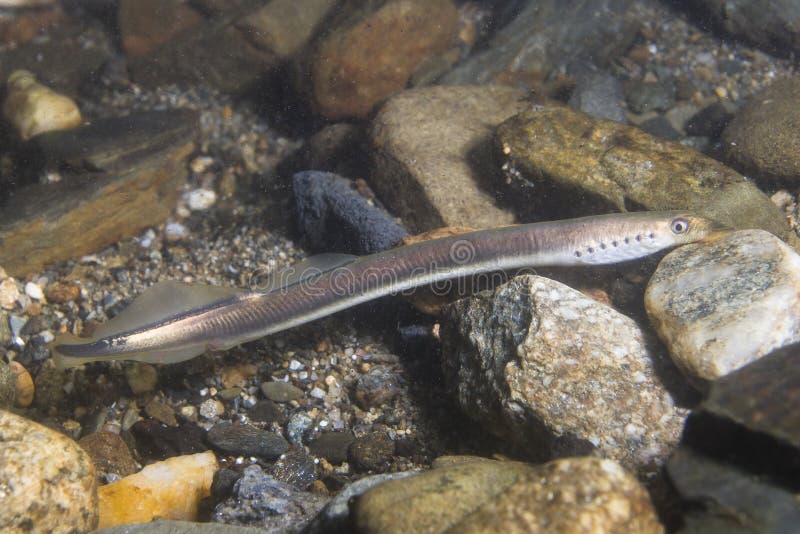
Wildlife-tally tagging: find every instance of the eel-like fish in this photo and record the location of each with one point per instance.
(172, 322)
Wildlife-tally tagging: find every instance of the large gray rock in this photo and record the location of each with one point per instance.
(560, 374)
(722, 305)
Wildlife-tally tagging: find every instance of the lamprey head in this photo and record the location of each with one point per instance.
(685, 228)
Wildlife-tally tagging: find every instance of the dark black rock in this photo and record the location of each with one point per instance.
(334, 216)
(246, 440)
(222, 485)
(296, 468)
(267, 411)
(332, 446)
(371, 452)
(762, 397)
(260, 500)
(710, 121)
(733, 500)
(157, 441)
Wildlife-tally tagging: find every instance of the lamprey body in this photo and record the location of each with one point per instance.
(172, 322)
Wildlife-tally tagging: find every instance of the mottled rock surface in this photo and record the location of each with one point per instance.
(109, 453)
(247, 440)
(722, 305)
(560, 374)
(599, 95)
(762, 139)
(559, 151)
(374, 53)
(47, 481)
(429, 143)
(576, 494)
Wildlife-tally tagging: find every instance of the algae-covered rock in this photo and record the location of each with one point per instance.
(598, 165)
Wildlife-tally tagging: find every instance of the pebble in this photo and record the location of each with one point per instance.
(332, 446)
(762, 139)
(643, 96)
(261, 500)
(573, 376)
(377, 387)
(246, 440)
(48, 482)
(141, 377)
(34, 291)
(34, 108)
(722, 305)
(711, 120)
(211, 409)
(371, 452)
(109, 453)
(6, 336)
(8, 386)
(23, 385)
(267, 411)
(296, 468)
(61, 292)
(170, 489)
(201, 199)
(299, 423)
(9, 293)
(175, 231)
(161, 412)
(600, 95)
(281, 391)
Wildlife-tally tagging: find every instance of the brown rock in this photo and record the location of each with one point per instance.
(433, 156)
(142, 158)
(146, 24)
(61, 292)
(48, 481)
(27, 24)
(579, 164)
(24, 385)
(374, 54)
(762, 138)
(109, 453)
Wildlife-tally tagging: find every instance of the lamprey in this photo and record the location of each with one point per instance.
(172, 322)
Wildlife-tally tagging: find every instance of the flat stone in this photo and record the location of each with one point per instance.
(247, 440)
(722, 305)
(432, 158)
(559, 374)
(134, 167)
(373, 53)
(549, 34)
(48, 481)
(762, 139)
(566, 158)
(281, 391)
(748, 396)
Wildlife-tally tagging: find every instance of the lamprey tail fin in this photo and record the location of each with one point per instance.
(77, 345)
(163, 300)
(301, 271)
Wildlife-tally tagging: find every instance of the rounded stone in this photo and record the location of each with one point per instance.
(47, 481)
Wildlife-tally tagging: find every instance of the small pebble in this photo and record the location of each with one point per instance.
(8, 293)
(211, 409)
(161, 412)
(34, 291)
(24, 385)
(246, 440)
(332, 446)
(201, 199)
(297, 426)
(372, 452)
(7, 386)
(141, 377)
(379, 386)
(60, 292)
(175, 231)
(281, 391)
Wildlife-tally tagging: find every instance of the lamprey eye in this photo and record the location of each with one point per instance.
(679, 226)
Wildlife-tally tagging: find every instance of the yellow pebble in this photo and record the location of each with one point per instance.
(34, 108)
